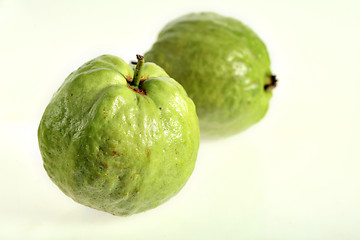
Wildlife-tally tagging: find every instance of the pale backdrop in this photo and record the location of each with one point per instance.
(295, 175)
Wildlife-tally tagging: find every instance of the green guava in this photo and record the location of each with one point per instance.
(118, 138)
(223, 66)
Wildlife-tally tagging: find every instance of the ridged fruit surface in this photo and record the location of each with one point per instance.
(115, 147)
(224, 67)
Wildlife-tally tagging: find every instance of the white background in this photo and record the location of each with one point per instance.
(294, 175)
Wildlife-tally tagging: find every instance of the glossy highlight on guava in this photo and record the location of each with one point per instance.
(119, 138)
(224, 67)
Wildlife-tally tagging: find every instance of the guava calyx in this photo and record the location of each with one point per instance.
(272, 83)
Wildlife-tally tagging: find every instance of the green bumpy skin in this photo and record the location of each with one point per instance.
(223, 66)
(114, 149)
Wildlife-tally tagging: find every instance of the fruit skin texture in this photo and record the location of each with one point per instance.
(223, 66)
(114, 149)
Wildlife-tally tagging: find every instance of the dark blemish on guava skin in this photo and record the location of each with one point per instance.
(160, 108)
(105, 113)
(140, 90)
(148, 154)
(71, 94)
(113, 153)
(104, 166)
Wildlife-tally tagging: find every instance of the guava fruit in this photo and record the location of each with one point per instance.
(119, 139)
(223, 66)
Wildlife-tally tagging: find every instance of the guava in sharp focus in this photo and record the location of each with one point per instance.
(223, 66)
(117, 142)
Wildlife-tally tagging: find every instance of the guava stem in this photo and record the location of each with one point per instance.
(139, 65)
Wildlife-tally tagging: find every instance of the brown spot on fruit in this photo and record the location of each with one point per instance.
(104, 166)
(139, 90)
(105, 113)
(113, 153)
(148, 154)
